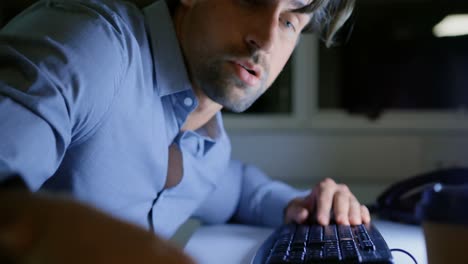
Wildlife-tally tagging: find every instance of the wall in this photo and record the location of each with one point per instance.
(305, 156)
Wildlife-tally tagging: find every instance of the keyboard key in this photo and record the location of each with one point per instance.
(331, 251)
(315, 244)
(367, 245)
(296, 257)
(349, 251)
(301, 234)
(345, 232)
(313, 255)
(330, 233)
(315, 234)
(361, 232)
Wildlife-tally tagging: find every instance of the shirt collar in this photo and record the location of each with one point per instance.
(208, 135)
(169, 67)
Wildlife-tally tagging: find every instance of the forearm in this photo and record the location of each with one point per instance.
(246, 195)
(261, 200)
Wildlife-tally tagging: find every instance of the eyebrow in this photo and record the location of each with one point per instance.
(298, 4)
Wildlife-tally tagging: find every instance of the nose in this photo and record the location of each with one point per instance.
(262, 32)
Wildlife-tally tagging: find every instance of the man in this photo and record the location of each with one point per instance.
(120, 107)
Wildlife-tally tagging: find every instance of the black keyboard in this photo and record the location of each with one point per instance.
(295, 243)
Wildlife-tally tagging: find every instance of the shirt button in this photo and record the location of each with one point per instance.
(188, 101)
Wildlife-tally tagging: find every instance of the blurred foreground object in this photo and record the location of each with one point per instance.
(445, 223)
(35, 228)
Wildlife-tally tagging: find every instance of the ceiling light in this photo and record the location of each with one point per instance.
(452, 26)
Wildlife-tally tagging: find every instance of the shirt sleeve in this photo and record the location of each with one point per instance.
(245, 194)
(60, 64)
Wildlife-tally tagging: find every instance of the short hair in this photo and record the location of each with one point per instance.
(327, 16)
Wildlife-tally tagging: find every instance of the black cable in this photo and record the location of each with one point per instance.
(406, 252)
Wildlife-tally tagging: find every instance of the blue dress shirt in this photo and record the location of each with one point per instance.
(93, 93)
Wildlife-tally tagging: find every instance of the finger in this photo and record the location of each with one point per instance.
(355, 217)
(365, 214)
(296, 213)
(341, 208)
(311, 200)
(301, 215)
(324, 201)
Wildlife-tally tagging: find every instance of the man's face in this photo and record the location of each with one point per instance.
(235, 49)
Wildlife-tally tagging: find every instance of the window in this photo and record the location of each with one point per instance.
(395, 60)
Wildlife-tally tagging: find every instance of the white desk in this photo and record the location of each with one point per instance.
(237, 244)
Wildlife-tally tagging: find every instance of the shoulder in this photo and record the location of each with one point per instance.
(114, 12)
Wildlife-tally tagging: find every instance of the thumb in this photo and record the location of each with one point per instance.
(296, 213)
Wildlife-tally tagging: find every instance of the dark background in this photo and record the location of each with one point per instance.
(392, 60)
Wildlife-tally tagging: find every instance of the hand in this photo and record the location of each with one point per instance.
(39, 229)
(328, 198)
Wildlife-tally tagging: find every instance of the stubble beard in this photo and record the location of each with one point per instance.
(223, 86)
